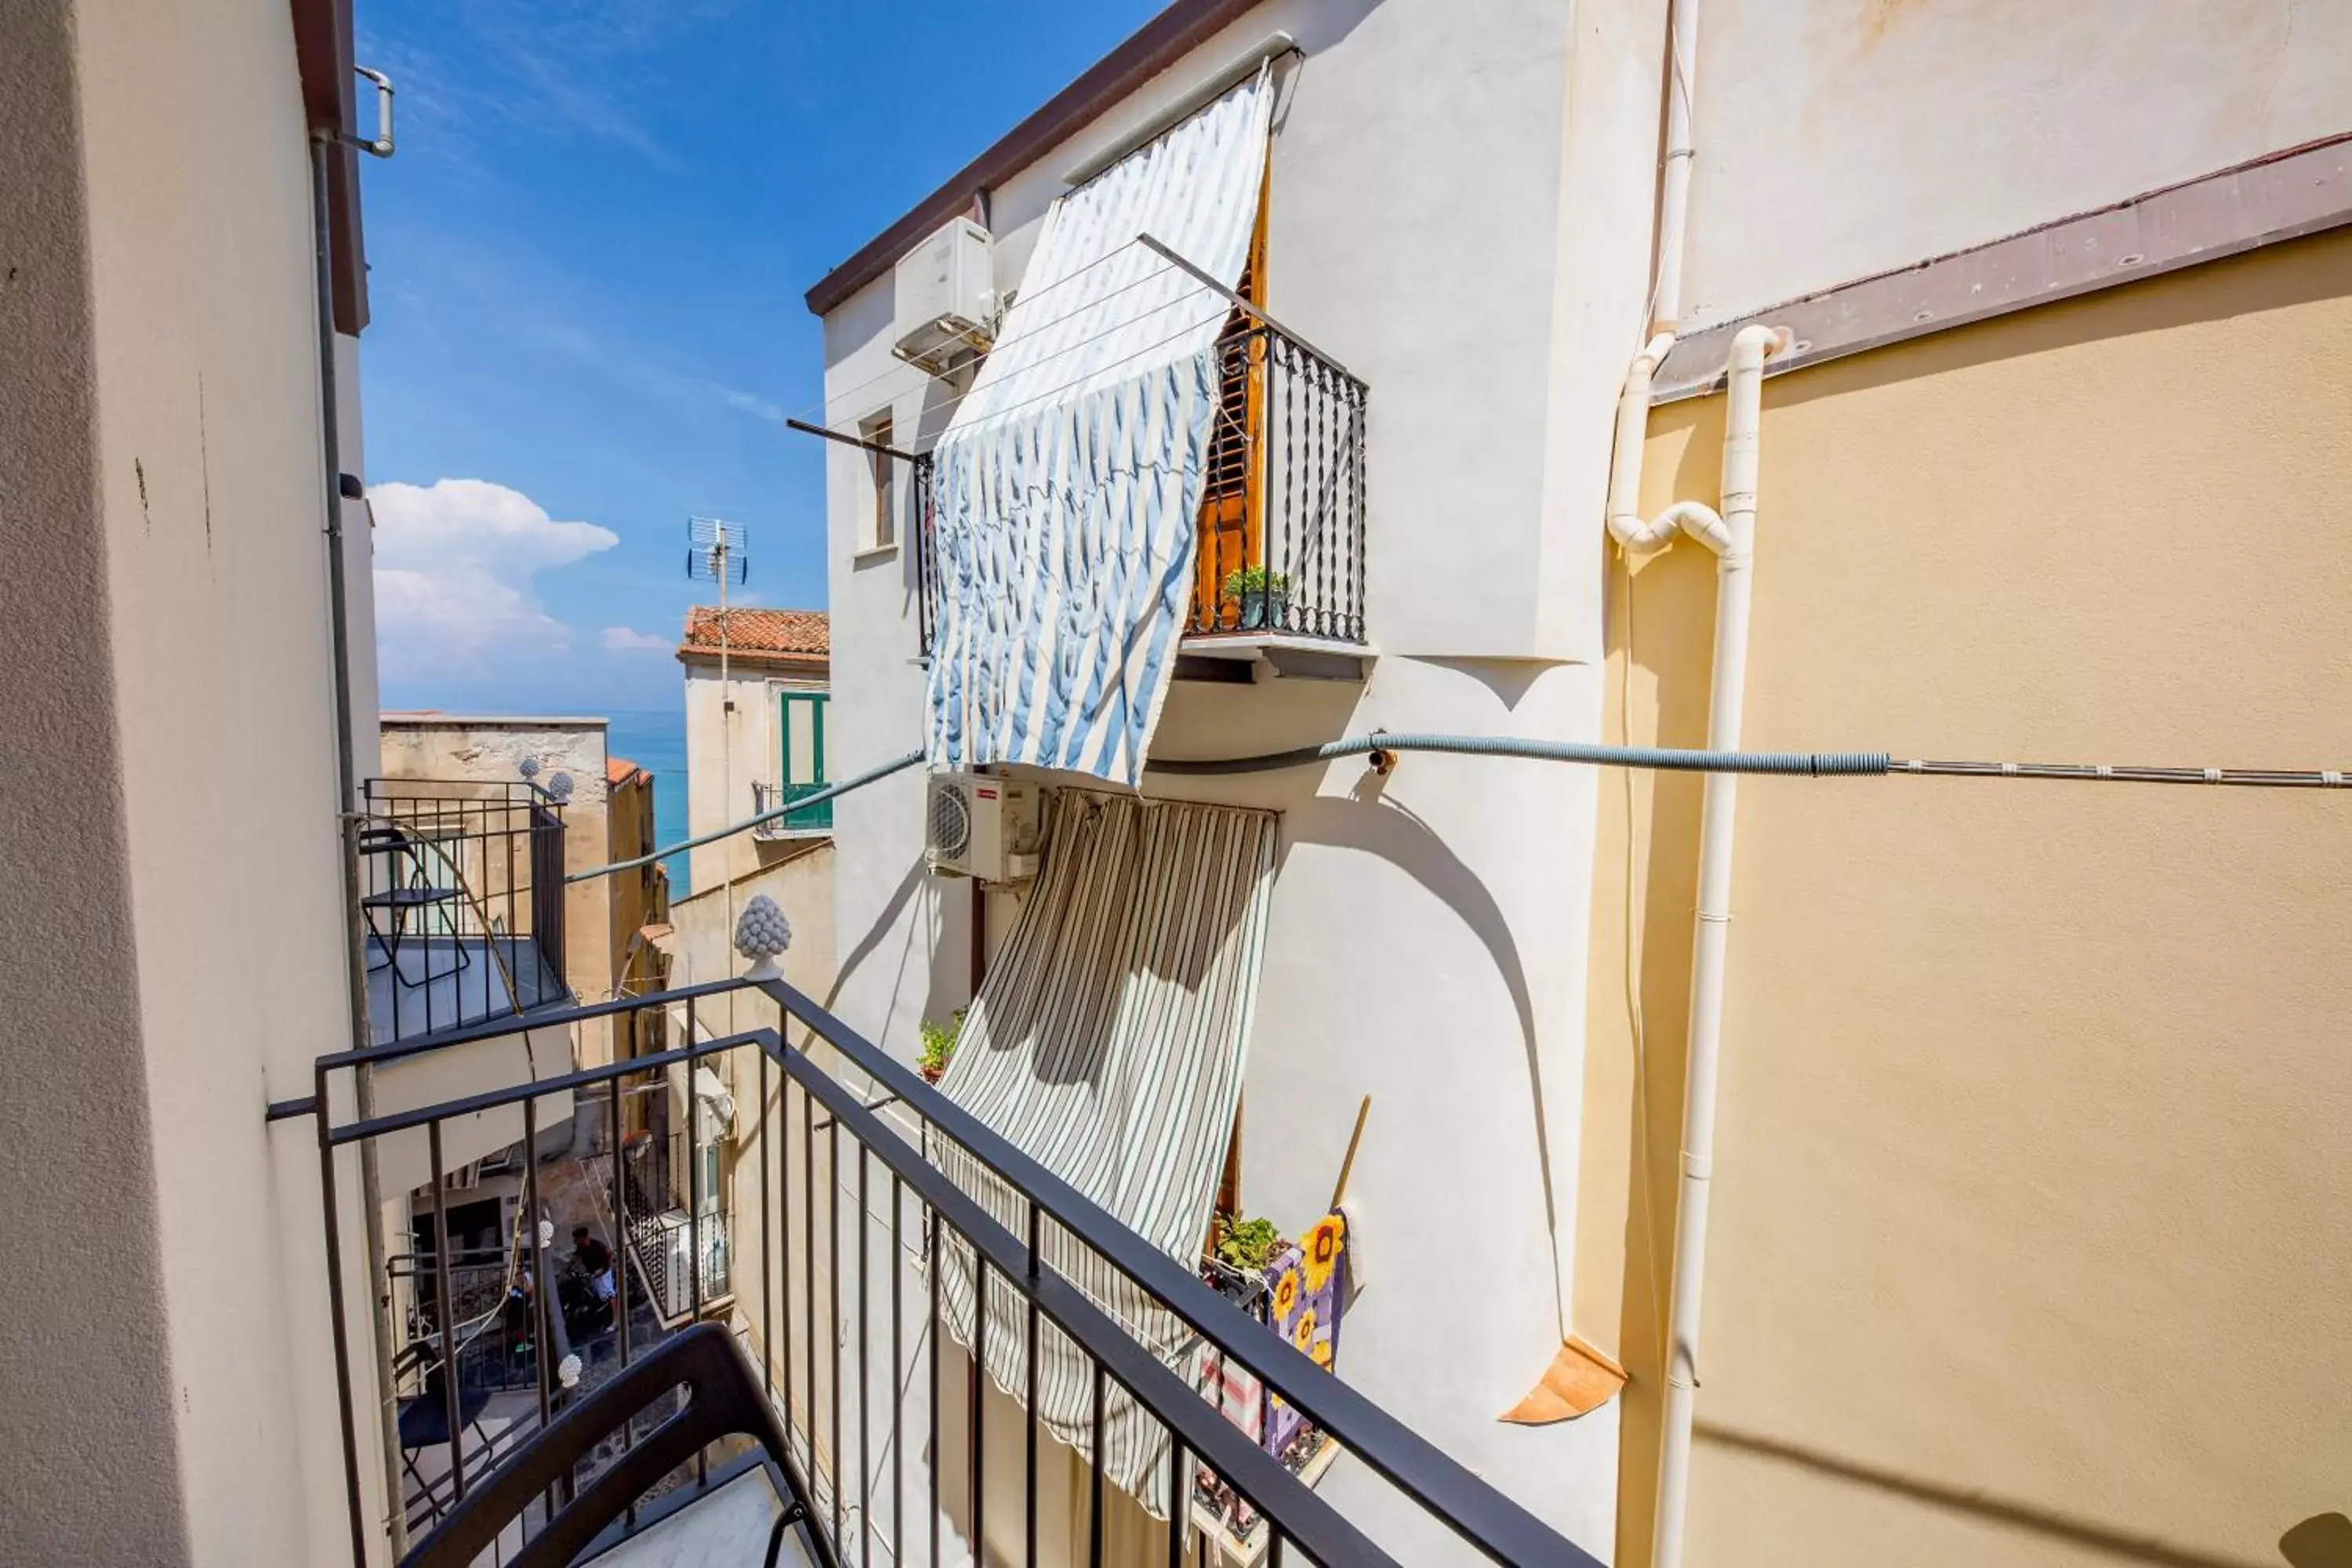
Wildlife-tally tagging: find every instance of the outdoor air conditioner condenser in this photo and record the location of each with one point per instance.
(978, 826)
(944, 298)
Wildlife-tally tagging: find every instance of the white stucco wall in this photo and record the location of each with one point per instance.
(1841, 138)
(1428, 942)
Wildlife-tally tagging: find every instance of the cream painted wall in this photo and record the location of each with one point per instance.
(1840, 137)
(2027, 1236)
(211, 636)
(716, 796)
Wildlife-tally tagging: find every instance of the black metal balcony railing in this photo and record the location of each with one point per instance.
(766, 797)
(927, 556)
(1280, 534)
(461, 895)
(675, 1217)
(843, 1226)
(1281, 541)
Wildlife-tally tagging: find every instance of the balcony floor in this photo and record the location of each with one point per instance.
(449, 982)
(1278, 654)
(730, 1526)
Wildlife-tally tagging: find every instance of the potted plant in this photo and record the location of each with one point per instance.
(939, 1046)
(1246, 1244)
(1262, 596)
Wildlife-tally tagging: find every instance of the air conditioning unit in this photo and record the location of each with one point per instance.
(945, 297)
(981, 827)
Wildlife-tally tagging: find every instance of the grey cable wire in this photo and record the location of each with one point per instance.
(1808, 765)
(1667, 759)
(1660, 759)
(819, 798)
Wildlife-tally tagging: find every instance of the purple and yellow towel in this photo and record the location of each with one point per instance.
(1307, 1284)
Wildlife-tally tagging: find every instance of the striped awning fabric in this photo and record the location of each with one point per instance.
(1069, 479)
(1107, 1043)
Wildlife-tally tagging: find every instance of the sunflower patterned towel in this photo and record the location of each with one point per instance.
(1306, 1282)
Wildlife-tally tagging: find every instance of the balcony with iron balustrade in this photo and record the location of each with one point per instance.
(1280, 537)
(825, 1409)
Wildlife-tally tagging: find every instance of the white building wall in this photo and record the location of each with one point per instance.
(1844, 138)
(1428, 943)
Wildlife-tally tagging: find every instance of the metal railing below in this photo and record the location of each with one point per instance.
(808, 822)
(847, 1241)
(461, 901)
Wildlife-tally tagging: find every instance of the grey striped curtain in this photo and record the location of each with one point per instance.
(1107, 1043)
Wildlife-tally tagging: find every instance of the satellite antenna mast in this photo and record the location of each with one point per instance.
(715, 551)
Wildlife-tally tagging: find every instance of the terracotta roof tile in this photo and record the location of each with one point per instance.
(619, 771)
(807, 633)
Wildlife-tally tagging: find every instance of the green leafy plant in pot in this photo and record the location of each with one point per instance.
(1248, 1245)
(1262, 596)
(939, 1046)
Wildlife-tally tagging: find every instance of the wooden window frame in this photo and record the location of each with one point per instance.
(879, 528)
(1232, 520)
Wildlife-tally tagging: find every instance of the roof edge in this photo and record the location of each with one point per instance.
(1142, 55)
(710, 653)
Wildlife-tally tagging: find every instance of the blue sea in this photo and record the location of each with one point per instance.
(654, 739)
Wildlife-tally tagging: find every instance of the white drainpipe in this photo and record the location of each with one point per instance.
(1732, 536)
(1674, 185)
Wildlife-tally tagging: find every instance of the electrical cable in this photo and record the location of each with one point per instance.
(1805, 765)
(1664, 758)
(1659, 759)
(897, 372)
(803, 804)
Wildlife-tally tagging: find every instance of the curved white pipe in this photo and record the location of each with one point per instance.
(1627, 526)
(1711, 928)
(1695, 518)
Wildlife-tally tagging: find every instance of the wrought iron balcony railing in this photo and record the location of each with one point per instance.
(1281, 530)
(808, 823)
(1281, 541)
(861, 1271)
(461, 898)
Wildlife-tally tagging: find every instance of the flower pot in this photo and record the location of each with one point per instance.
(1260, 609)
(933, 1075)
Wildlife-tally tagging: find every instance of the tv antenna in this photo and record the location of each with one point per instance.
(716, 552)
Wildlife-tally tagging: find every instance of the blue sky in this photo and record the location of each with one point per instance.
(586, 268)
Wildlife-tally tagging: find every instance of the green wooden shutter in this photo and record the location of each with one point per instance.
(800, 761)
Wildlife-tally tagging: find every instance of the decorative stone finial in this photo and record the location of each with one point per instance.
(761, 934)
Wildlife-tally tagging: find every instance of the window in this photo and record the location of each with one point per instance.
(882, 524)
(800, 758)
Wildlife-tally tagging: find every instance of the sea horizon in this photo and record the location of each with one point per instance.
(654, 739)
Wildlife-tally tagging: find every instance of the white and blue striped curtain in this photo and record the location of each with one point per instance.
(1107, 1043)
(1069, 479)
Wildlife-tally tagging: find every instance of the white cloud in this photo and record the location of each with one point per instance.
(455, 562)
(628, 639)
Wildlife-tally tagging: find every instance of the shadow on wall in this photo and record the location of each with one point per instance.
(937, 1000)
(2323, 1541)
(1367, 822)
